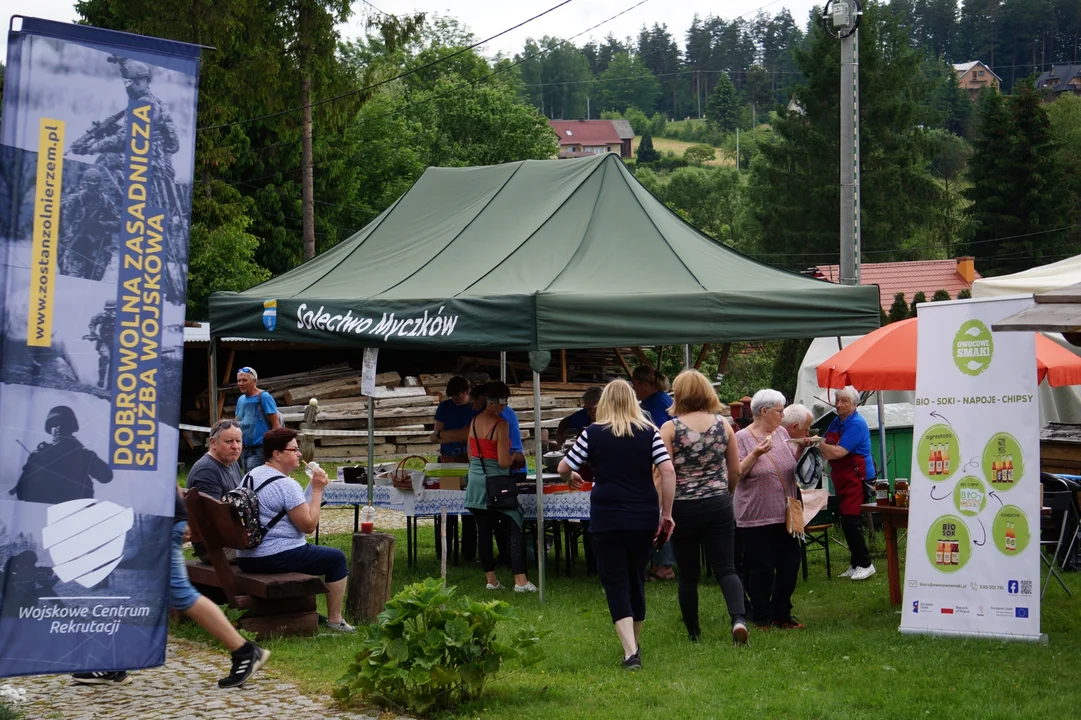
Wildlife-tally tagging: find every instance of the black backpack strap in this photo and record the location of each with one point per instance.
(282, 513)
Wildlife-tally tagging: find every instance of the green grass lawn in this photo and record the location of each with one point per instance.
(850, 663)
(665, 145)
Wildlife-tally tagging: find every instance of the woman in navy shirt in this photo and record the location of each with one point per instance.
(625, 516)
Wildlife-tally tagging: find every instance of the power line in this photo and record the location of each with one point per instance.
(384, 82)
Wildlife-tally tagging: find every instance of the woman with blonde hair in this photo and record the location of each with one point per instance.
(626, 518)
(702, 446)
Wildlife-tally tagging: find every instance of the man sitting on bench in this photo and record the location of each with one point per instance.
(218, 472)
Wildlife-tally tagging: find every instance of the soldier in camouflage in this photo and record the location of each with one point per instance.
(89, 223)
(102, 329)
(61, 469)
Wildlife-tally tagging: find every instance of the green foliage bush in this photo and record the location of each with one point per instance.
(430, 651)
(646, 152)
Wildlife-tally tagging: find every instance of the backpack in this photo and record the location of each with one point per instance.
(809, 468)
(245, 500)
(281, 418)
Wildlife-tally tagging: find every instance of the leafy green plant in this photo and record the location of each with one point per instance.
(431, 651)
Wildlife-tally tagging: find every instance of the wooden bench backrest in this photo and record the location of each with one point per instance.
(218, 526)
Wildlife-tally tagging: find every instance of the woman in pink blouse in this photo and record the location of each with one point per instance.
(767, 480)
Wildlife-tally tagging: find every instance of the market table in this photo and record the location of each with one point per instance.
(430, 502)
(894, 518)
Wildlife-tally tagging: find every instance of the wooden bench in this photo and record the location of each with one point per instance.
(275, 605)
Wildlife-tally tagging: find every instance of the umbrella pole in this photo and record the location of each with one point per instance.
(882, 435)
(371, 451)
(539, 470)
(503, 366)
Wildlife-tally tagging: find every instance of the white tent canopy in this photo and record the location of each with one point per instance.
(1037, 280)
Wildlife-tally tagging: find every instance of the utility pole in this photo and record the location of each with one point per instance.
(842, 19)
(307, 182)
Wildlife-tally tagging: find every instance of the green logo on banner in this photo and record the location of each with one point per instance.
(973, 347)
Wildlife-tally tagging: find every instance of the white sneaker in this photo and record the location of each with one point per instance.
(497, 586)
(848, 573)
(863, 573)
(528, 587)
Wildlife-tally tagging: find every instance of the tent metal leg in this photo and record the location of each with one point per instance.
(686, 357)
(882, 436)
(213, 393)
(538, 465)
(503, 366)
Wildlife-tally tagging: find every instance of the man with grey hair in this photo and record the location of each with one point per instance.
(848, 450)
(218, 472)
(583, 418)
(797, 421)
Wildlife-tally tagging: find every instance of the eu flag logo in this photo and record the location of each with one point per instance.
(1020, 612)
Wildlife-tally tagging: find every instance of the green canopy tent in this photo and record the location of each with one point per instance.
(537, 255)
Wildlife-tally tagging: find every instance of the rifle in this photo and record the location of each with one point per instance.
(98, 130)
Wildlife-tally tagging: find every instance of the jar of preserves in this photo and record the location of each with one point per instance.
(900, 492)
(882, 492)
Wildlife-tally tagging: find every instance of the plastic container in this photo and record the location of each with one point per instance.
(367, 519)
(310, 468)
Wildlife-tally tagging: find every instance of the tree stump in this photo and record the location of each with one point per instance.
(370, 574)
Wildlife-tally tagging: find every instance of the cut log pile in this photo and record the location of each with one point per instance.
(404, 408)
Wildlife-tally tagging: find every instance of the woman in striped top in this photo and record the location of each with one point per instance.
(626, 518)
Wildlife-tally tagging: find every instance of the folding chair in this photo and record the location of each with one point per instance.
(818, 533)
(1063, 504)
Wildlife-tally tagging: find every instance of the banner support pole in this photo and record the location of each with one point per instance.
(539, 474)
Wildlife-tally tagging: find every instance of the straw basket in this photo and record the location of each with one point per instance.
(401, 476)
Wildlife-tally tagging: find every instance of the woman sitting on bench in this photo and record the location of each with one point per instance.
(285, 547)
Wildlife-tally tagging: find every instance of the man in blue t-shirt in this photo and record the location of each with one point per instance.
(583, 418)
(257, 413)
(452, 419)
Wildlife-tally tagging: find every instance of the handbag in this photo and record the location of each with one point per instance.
(501, 490)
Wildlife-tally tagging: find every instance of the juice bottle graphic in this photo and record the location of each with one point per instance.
(1009, 469)
(931, 461)
(938, 460)
(996, 471)
(946, 459)
(939, 552)
(1011, 537)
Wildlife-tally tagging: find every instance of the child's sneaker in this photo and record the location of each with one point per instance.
(246, 661)
(120, 677)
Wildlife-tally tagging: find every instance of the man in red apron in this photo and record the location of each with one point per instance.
(848, 450)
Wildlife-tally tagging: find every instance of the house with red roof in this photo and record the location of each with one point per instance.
(911, 277)
(581, 138)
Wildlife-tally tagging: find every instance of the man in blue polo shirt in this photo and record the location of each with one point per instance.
(452, 419)
(583, 418)
(257, 413)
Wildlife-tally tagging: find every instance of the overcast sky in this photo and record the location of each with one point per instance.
(488, 17)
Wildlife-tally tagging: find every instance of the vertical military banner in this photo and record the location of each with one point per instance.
(973, 561)
(97, 149)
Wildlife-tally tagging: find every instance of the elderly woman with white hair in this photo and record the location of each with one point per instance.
(848, 450)
(797, 421)
(771, 556)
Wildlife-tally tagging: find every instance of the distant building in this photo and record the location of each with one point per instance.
(975, 76)
(581, 138)
(911, 277)
(1060, 79)
(626, 134)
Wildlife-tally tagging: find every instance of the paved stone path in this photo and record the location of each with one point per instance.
(185, 688)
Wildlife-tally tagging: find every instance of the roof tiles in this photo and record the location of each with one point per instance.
(907, 277)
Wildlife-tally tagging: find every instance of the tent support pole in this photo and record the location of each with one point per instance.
(538, 466)
(503, 366)
(686, 357)
(371, 454)
(213, 392)
(563, 363)
(882, 435)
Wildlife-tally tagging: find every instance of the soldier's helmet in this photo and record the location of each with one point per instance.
(110, 304)
(62, 417)
(134, 70)
(92, 176)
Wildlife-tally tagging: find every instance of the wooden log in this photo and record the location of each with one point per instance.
(722, 362)
(257, 607)
(370, 576)
(466, 360)
(288, 625)
(623, 362)
(425, 449)
(353, 451)
(701, 356)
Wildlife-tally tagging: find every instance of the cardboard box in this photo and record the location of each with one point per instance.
(450, 483)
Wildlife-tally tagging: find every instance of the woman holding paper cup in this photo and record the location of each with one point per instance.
(767, 479)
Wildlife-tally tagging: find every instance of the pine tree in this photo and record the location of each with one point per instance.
(918, 298)
(646, 153)
(1016, 184)
(722, 110)
(899, 309)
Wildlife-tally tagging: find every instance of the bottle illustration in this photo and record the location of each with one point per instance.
(946, 459)
(1011, 537)
(938, 460)
(1009, 469)
(996, 471)
(955, 552)
(931, 461)
(939, 552)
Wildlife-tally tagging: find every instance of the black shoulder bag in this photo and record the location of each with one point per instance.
(501, 490)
